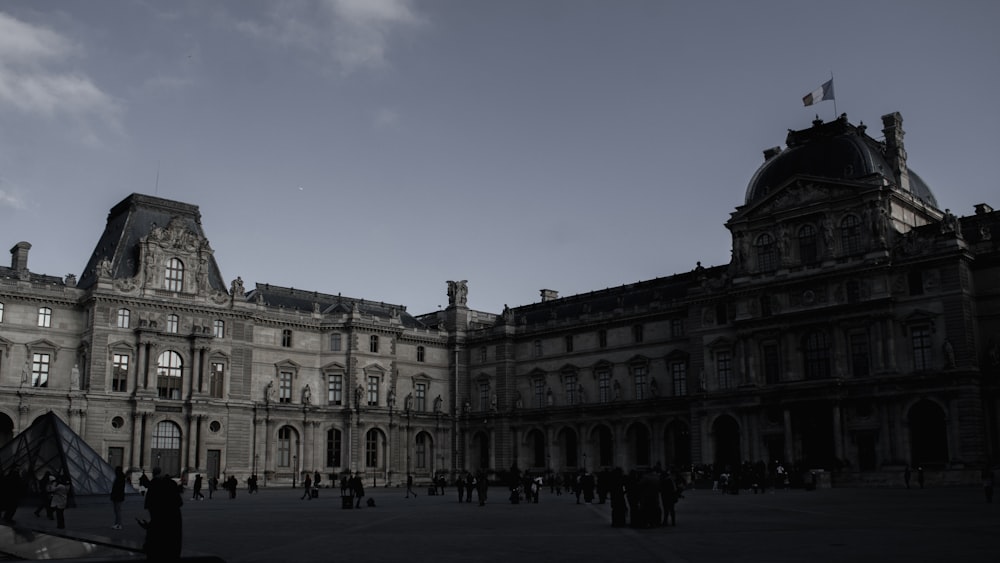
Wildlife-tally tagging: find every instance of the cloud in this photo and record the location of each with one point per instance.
(354, 34)
(385, 118)
(33, 79)
(8, 199)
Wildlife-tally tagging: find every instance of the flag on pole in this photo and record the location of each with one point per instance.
(824, 92)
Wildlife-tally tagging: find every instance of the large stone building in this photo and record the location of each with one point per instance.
(855, 329)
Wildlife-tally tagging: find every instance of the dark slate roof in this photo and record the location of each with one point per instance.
(131, 220)
(302, 300)
(664, 290)
(835, 150)
(8, 273)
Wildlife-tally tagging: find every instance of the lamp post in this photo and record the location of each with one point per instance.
(295, 469)
(256, 458)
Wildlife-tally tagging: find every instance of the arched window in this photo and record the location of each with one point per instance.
(123, 318)
(420, 451)
(333, 445)
(767, 253)
(817, 355)
(169, 368)
(173, 322)
(850, 235)
(808, 252)
(286, 434)
(174, 277)
(166, 447)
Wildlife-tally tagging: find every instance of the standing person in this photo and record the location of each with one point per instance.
(12, 490)
(920, 476)
(118, 496)
(359, 490)
(213, 485)
(460, 485)
(44, 486)
(481, 487)
(316, 479)
(164, 529)
(60, 498)
(668, 497)
(307, 485)
(616, 490)
(409, 487)
(143, 483)
(196, 488)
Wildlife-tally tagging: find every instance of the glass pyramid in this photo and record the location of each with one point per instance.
(50, 445)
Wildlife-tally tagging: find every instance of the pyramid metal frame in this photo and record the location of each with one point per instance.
(50, 445)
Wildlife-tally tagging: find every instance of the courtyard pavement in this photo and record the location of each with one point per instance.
(786, 525)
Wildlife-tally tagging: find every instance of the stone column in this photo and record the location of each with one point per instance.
(135, 457)
(140, 366)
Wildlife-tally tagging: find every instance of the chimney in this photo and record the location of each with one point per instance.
(19, 257)
(895, 154)
(549, 295)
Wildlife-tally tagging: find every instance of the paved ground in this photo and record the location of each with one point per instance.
(825, 525)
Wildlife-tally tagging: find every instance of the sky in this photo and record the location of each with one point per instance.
(379, 148)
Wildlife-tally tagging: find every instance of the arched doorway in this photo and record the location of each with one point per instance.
(726, 438)
(637, 438)
(375, 445)
(423, 453)
(928, 434)
(480, 451)
(6, 429)
(677, 445)
(166, 450)
(605, 446)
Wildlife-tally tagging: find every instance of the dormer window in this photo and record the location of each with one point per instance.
(174, 277)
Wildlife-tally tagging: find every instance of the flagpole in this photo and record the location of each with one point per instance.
(835, 114)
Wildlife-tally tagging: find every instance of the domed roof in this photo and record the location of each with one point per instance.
(836, 150)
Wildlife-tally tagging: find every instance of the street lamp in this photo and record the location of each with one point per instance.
(256, 458)
(295, 469)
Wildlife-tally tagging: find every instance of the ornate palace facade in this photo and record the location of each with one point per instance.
(855, 329)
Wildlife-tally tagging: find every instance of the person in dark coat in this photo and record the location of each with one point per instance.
(359, 490)
(13, 488)
(668, 497)
(460, 485)
(164, 529)
(118, 496)
(616, 491)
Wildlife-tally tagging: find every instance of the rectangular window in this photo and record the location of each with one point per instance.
(285, 387)
(915, 280)
(569, 343)
(639, 375)
(335, 342)
(371, 449)
(119, 373)
(333, 446)
(1, 312)
(484, 396)
(571, 386)
(172, 323)
(678, 373)
(482, 355)
(373, 391)
(539, 394)
(859, 354)
(724, 369)
(770, 363)
(420, 452)
(602, 338)
(421, 397)
(217, 379)
(721, 314)
(286, 338)
(920, 336)
(538, 348)
(44, 317)
(637, 333)
(420, 353)
(604, 386)
(373, 344)
(335, 389)
(677, 328)
(123, 318)
(285, 447)
(174, 277)
(39, 370)
(219, 329)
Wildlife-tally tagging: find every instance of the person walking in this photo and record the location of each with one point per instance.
(196, 488)
(44, 486)
(213, 485)
(164, 529)
(409, 487)
(118, 496)
(460, 485)
(307, 485)
(60, 498)
(359, 490)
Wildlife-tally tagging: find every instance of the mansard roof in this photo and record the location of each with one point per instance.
(134, 218)
(309, 301)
